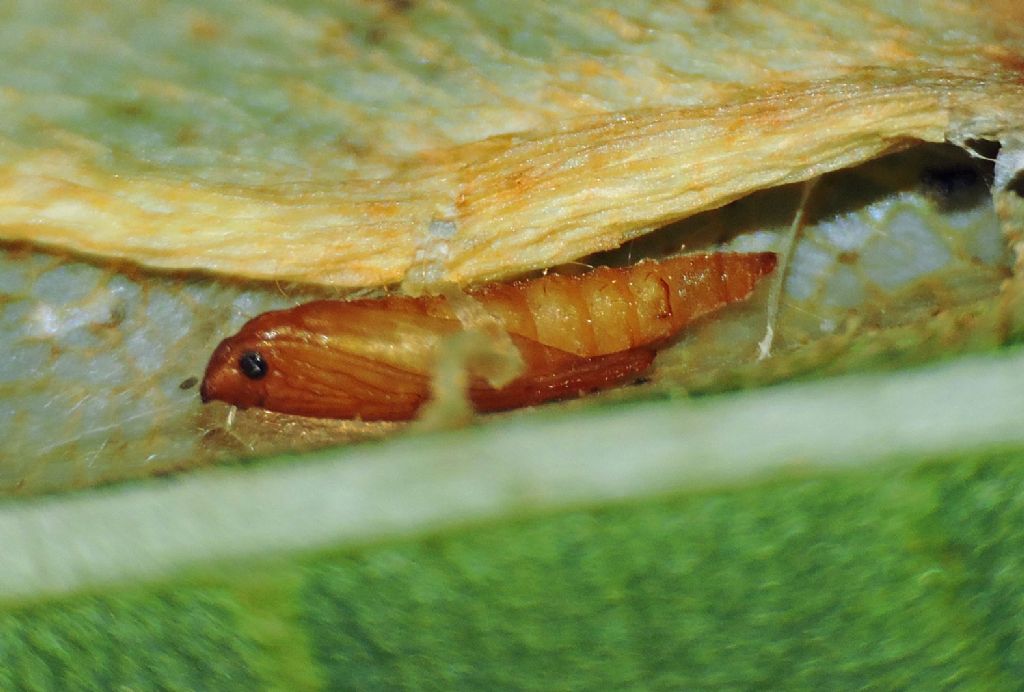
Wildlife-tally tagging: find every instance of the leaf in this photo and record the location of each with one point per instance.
(319, 144)
(764, 538)
(850, 531)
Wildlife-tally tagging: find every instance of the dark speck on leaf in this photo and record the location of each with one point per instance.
(1016, 186)
(958, 187)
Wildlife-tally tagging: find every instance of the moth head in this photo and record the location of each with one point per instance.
(239, 372)
(284, 361)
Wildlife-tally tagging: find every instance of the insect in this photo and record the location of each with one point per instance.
(373, 359)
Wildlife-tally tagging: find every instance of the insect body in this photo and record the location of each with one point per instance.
(373, 359)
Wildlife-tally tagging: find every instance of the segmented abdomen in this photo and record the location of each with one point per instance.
(609, 310)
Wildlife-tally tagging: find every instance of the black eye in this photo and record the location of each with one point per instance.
(252, 365)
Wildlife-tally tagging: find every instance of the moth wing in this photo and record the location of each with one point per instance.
(552, 374)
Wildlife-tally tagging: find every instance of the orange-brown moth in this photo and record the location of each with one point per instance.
(373, 359)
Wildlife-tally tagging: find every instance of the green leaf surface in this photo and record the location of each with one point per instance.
(860, 532)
